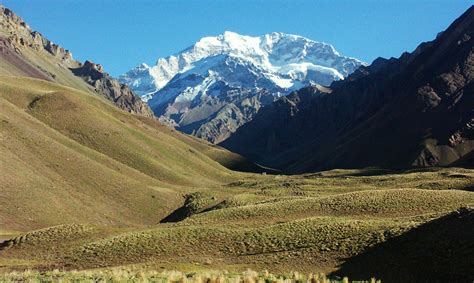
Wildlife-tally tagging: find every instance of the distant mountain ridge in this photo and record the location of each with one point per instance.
(218, 84)
(416, 110)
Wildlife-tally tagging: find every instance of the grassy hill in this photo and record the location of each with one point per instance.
(69, 156)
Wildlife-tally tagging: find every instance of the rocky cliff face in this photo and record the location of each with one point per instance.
(416, 110)
(24, 52)
(110, 88)
(20, 35)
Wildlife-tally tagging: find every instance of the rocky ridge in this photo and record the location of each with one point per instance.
(24, 52)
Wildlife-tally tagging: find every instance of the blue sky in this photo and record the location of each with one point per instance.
(121, 34)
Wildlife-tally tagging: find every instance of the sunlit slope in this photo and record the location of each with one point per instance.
(38, 65)
(68, 156)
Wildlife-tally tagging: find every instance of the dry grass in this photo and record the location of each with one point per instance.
(129, 275)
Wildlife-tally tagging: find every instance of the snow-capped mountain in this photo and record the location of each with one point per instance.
(219, 83)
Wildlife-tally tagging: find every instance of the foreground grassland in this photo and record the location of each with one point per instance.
(340, 222)
(84, 185)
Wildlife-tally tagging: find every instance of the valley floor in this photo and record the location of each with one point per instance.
(392, 225)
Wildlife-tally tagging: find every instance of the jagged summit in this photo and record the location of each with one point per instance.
(287, 57)
(216, 85)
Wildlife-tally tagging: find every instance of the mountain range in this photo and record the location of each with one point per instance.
(416, 110)
(93, 187)
(215, 86)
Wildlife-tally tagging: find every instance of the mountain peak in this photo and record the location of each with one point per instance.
(232, 42)
(229, 33)
(287, 56)
(216, 85)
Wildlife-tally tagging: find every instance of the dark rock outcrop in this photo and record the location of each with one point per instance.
(103, 83)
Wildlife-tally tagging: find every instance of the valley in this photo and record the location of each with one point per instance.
(268, 158)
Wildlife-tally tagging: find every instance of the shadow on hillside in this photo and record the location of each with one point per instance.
(245, 165)
(441, 250)
(469, 188)
(375, 171)
(186, 211)
(5, 243)
(177, 215)
(369, 172)
(365, 172)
